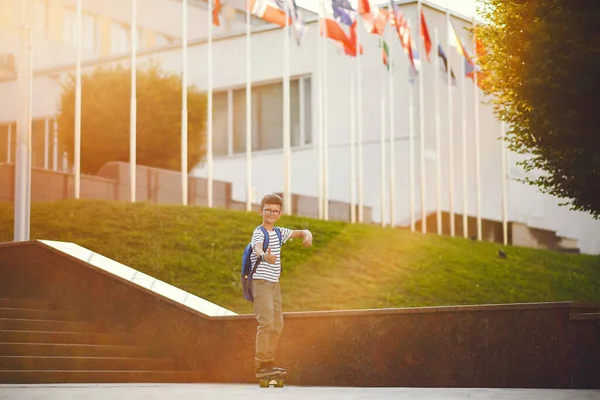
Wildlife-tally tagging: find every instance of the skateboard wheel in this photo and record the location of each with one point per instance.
(263, 383)
(279, 383)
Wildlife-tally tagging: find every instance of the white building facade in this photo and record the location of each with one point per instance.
(106, 40)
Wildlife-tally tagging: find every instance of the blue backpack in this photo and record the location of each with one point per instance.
(248, 269)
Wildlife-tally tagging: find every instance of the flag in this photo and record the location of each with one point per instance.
(374, 18)
(402, 30)
(425, 35)
(385, 54)
(343, 12)
(215, 12)
(351, 50)
(268, 10)
(274, 11)
(455, 41)
(444, 66)
(364, 7)
(415, 60)
(296, 20)
(331, 28)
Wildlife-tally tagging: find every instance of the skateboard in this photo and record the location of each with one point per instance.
(274, 379)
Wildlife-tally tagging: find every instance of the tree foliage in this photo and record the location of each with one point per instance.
(541, 67)
(105, 118)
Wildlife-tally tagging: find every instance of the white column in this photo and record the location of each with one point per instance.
(359, 126)
(422, 127)
(184, 110)
(465, 217)
(248, 116)
(209, 111)
(392, 136)
(353, 146)
(504, 185)
(77, 150)
(133, 106)
(321, 105)
(23, 149)
(382, 140)
(450, 133)
(477, 145)
(287, 154)
(438, 152)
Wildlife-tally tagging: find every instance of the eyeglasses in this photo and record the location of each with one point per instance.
(271, 212)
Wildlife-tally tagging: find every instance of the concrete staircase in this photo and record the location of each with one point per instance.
(40, 344)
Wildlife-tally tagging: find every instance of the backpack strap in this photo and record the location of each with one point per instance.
(278, 231)
(265, 246)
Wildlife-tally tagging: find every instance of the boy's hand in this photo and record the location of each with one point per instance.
(307, 242)
(270, 257)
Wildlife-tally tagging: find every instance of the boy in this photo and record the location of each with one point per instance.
(265, 282)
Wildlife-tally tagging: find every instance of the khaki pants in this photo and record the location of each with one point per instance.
(268, 312)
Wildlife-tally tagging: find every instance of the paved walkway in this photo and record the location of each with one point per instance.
(230, 391)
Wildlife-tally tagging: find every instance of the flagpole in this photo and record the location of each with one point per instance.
(287, 198)
(421, 127)
(438, 154)
(22, 208)
(184, 111)
(321, 101)
(411, 152)
(411, 140)
(392, 136)
(325, 135)
(352, 145)
(504, 185)
(450, 132)
(209, 112)
(477, 149)
(77, 152)
(133, 106)
(382, 143)
(359, 125)
(248, 114)
(465, 217)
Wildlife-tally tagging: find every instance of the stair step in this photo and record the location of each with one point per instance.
(19, 324)
(63, 376)
(62, 337)
(37, 304)
(32, 313)
(85, 363)
(73, 350)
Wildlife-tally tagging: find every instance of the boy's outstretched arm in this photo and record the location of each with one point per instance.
(305, 234)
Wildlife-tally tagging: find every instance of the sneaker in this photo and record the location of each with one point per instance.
(265, 368)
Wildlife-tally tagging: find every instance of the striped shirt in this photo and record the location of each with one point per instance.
(266, 271)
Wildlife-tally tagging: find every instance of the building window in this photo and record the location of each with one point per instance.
(119, 37)
(229, 117)
(89, 27)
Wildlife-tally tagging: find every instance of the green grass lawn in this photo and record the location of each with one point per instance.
(348, 267)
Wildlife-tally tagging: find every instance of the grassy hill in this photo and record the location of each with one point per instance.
(348, 266)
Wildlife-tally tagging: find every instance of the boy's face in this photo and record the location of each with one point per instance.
(270, 212)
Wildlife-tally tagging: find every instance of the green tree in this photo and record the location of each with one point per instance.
(105, 118)
(541, 68)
